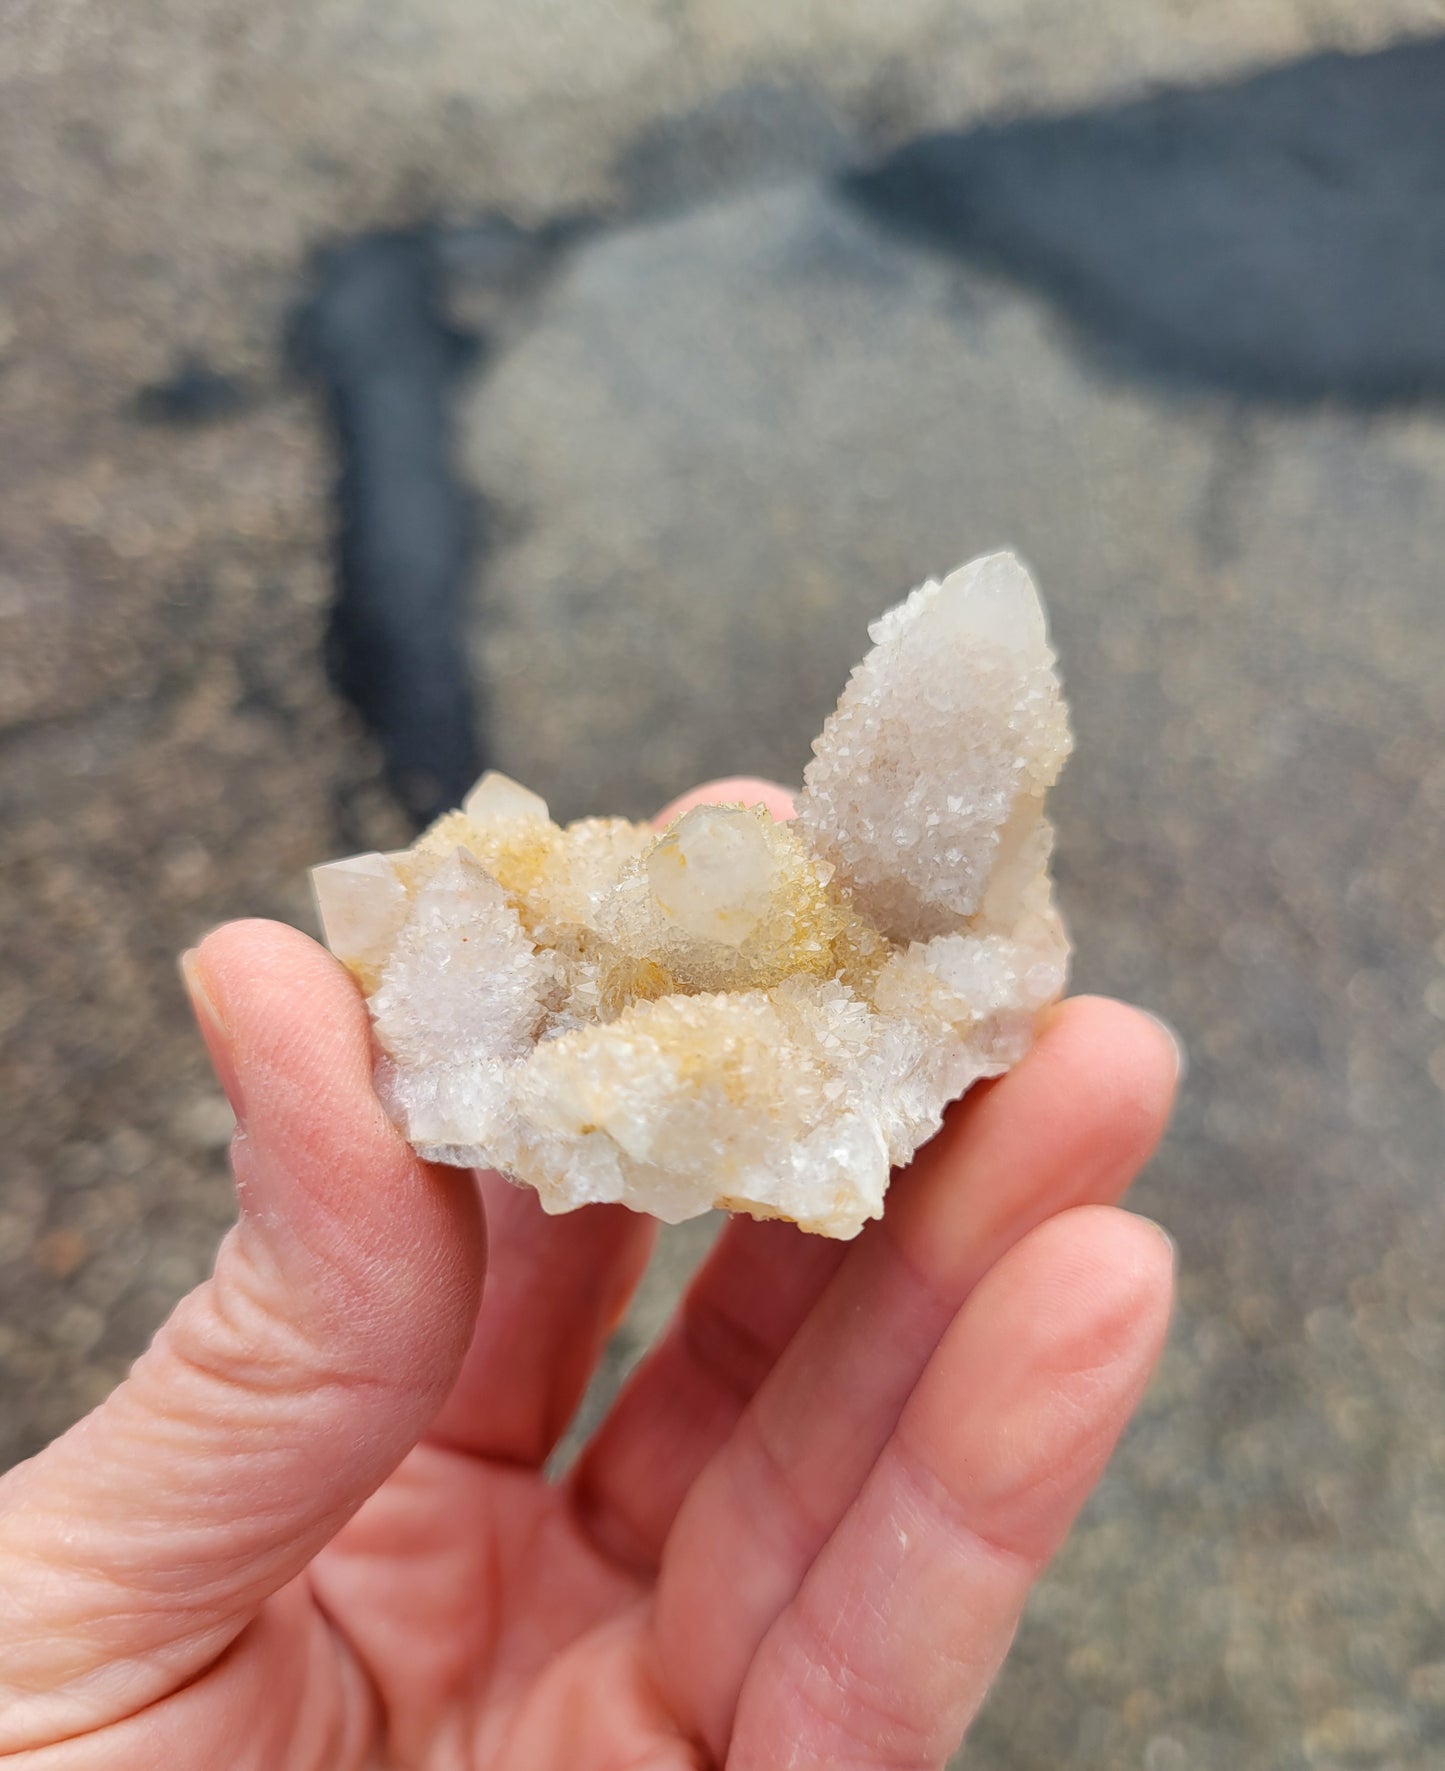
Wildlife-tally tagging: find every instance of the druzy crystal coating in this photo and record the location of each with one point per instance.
(732, 1012)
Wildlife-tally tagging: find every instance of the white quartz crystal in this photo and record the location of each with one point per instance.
(363, 905)
(733, 1012)
(934, 765)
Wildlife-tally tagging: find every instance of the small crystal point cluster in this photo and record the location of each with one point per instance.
(734, 1012)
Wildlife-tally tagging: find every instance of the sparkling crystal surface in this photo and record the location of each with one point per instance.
(733, 1012)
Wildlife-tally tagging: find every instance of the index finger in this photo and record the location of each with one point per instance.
(731, 790)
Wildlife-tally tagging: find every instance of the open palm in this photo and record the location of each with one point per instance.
(314, 1529)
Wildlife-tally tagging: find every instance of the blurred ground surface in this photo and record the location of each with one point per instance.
(724, 435)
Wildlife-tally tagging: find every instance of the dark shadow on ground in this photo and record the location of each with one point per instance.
(376, 333)
(1282, 237)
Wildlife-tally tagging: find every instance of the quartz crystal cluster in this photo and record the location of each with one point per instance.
(764, 1017)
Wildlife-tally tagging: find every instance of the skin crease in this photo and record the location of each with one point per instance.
(312, 1530)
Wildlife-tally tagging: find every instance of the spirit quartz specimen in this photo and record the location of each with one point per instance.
(738, 1013)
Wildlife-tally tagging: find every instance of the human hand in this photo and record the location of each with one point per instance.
(312, 1529)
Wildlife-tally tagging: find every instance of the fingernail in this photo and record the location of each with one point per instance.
(1163, 1236)
(214, 1031)
(1181, 1055)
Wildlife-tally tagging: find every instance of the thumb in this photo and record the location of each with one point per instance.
(277, 1396)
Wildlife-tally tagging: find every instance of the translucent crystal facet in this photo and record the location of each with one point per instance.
(733, 1012)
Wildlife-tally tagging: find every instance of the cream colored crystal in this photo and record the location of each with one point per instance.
(712, 875)
(733, 1012)
(498, 799)
(362, 904)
